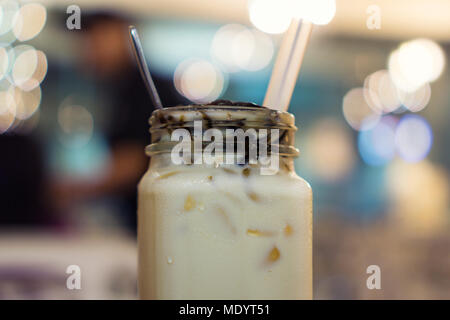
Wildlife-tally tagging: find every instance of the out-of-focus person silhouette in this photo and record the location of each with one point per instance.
(23, 195)
(106, 55)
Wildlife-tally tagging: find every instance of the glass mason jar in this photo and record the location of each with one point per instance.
(234, 228)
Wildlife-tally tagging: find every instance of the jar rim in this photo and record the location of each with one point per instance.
(260, 116)
(223, 117)
(219, 106)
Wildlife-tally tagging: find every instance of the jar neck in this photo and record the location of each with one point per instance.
(223, 135)
(279, 165)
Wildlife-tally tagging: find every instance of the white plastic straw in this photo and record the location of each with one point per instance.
(287, 65)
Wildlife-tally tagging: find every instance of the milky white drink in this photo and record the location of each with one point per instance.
(223, 231)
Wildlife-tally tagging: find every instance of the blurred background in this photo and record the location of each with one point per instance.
(371, 103)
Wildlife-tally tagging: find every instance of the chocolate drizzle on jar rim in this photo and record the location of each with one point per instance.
(219, 111)
(223, 115)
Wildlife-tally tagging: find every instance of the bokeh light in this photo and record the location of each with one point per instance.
(235, 48)
(377, 145)
(26, 126)
(7, 107)
(24, 65)
(415, 63)
(29, 20)
(419, 193)
(26, 102)
(381, 94)
(77, 125)
(275, 16)
(30, 67)
(221, 46)
(199, 80)
(413, 138)
(252, 50)
(319, 12)
(9, 8)
(4, 61)
(417, 100)
(357, 112)
(6, 100)
(270, 16)
(6, 120)
(330, 150)
(22, 68)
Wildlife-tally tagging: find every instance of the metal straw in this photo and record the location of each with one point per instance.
(143, 67)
